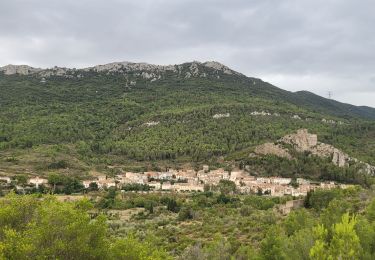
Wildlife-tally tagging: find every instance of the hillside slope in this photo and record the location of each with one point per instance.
(126, 113)
(333, 107)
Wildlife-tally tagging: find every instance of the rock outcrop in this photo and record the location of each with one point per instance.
(219, 67)
(217, 116)
(274, 149)
(340, 158)
(303, 141)
(19, 69)
(142, 70)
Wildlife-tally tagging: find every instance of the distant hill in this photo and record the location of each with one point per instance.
(333, 107)
(126, 113)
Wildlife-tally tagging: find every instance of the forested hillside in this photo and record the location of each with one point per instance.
(194, 112)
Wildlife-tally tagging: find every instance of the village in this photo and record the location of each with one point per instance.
(195, 181)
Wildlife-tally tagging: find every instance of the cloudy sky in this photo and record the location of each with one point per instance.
(316, 45)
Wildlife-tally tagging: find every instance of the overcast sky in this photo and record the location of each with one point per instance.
(316, 45)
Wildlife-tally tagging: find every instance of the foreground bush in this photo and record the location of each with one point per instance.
(43, 228)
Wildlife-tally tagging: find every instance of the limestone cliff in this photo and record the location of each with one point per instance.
(140, 70)
(274, 149)
(19, 69)
(303, 141)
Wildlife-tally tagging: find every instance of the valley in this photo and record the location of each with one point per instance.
(187, 161)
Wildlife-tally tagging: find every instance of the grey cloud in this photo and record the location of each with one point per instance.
(294, 44)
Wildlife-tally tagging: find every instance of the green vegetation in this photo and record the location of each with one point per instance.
(43, 228)
(76, 124)
(337, 224)
(307, 166)
(69, 128)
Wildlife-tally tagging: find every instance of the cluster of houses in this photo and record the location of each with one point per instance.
(34, 182)
(195, 181)
(192, 181)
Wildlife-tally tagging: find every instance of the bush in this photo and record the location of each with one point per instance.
(173, 206)
(186, 213)
(320, 199)
(58, 165)
(257, 202)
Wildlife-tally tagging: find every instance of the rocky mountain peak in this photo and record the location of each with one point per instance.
(195, 68)
(19, 69)
(218, 66)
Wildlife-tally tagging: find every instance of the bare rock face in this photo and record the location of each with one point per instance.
(302, 141)
(369, 169)
(323, 150)
(340, 159)
(114, 66)
(270, 148)
(217, 116)
(220, 67)
(146, 71)
(19, 69)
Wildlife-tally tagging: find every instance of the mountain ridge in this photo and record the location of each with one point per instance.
(315, 101)
(11, 69)
(213, 69)
(136, 113)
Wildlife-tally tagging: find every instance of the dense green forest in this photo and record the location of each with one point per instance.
(99, 119)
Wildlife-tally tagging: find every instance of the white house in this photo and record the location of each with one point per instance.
(155, 185)
(87, 183)
(166, 175)
(302, 181)
(281, 181)
(5, 179)
(37, 181)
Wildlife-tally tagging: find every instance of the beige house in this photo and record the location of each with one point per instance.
(134, 177)
(166, 186)
(108, 183)
(101, 182)
(154, 175)
(187, 187)
(327, 185)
